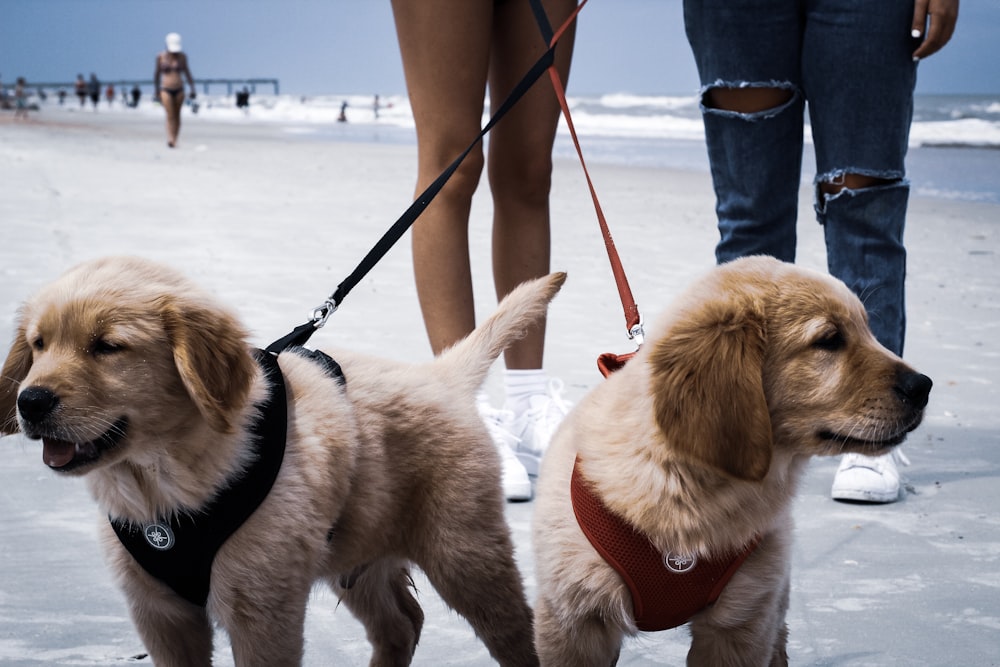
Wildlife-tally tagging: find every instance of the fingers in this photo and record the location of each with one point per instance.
(938, 18)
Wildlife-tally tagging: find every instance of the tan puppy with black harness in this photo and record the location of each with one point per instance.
(676, 474)
(234, 480)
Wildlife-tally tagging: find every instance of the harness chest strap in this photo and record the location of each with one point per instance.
(179, 551)
(667, 589)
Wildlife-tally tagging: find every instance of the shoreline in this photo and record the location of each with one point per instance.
(937, 168)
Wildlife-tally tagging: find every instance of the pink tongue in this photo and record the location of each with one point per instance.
(57, 453)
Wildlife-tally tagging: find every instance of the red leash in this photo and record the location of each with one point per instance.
(608, 362)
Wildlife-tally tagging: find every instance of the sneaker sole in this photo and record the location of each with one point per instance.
(859, 495)
(517, 492)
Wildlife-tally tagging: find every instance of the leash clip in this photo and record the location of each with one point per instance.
(321, 314)
(636, 333)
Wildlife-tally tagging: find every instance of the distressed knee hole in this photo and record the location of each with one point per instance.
(747, 99)
(838, 182)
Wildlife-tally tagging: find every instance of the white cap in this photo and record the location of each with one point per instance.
(173, 42)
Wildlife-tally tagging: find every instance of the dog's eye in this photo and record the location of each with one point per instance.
(103, 346)
(38, 343)
(830, 341)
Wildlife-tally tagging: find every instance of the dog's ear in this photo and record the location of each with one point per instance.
(15, 369)
(212, 358)
(706, 375)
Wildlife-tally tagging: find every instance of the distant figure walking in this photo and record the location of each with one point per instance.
(243, 99)
(342, 118)
(136, 94)
(80, 87)
(94, 90)
(376, 106)
(109, 94)
(21, 98)
(169, 86)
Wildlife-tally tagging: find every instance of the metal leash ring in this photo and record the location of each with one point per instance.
(320, 314)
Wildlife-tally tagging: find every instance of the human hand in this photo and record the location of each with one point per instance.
(938, 17)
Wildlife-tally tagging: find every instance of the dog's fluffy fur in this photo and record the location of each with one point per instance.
(155, 381)
(699, 442)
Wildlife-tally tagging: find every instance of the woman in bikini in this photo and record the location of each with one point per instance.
(170, 64)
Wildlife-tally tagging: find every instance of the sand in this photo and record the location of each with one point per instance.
(272, 221)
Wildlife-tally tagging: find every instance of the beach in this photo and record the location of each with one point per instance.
(272, 220)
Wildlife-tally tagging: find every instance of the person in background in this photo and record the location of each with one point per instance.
(94, 90)
(243, 99)
(109, 94)
(452, 51)
(854, 64)
(21, 98)
(169, 86)
(80, 88)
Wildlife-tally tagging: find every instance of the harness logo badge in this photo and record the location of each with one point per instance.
(680, 563)
(159, 536)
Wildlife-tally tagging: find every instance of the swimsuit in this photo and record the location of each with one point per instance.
(172, 68)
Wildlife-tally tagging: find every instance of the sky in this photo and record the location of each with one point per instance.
(349, 46)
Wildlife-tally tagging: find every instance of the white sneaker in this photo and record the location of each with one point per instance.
(871, 479)
(516, 484)
(534, 427)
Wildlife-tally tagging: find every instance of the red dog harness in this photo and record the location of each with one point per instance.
(667, 589)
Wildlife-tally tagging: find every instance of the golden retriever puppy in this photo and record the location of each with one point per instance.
(695, 448)
(130, 375)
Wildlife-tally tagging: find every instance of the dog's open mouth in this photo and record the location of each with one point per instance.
(890, 438)
(64, 455)
(850, 441)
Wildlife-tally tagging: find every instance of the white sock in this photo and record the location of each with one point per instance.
(521, 385)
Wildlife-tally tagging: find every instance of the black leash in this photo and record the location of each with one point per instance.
(301, 334)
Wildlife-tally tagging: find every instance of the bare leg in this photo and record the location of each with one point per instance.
(449, 50)
(746, 100)
(172, 105)
(520, 159)
(445, 50)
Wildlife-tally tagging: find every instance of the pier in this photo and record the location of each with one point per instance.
(204, 85)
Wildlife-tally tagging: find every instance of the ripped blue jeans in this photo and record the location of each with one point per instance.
(849, 62)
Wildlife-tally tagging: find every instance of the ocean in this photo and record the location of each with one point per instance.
(954, 140)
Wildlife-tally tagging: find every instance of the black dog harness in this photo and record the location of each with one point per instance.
(179, 551)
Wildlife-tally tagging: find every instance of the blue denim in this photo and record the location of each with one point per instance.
(849, 62)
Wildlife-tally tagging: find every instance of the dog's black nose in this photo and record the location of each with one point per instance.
(914, 388)
(36, 403)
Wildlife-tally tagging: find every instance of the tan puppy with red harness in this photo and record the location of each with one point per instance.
(687, 459)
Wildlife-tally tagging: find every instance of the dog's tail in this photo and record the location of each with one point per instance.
(469, 360)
